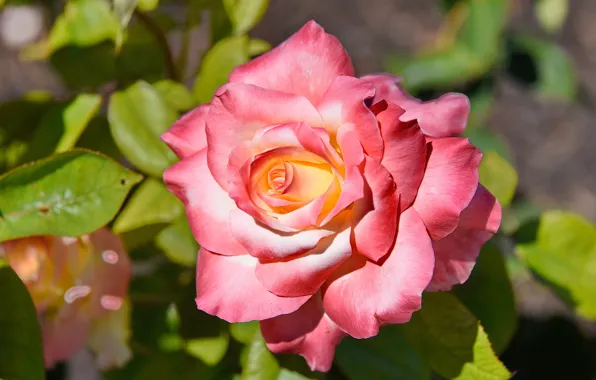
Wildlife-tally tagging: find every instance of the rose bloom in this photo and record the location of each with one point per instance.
(325, 204)
(78, 287)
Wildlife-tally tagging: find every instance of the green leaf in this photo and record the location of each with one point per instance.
(556, 72)
(257, 46)
(487, 140)
(217, 65)
(260, 363)
(564, 255)
(76, 117)
(178, 243)
(123, 9)
(151, 203)
(245, 14)
(138, 116)
(175, 94)
(85, 67)
(552, 13)
(69, 194)
(84, 23)
(147, 5)
(472, 54)
(489, 295)
(21, 352)
(388, 356)
(97, 137)
(452, 341)
(498, 176)
(244, 332)
(209, 349)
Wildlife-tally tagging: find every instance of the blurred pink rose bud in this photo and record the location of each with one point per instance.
(324, 203)
(79, 287)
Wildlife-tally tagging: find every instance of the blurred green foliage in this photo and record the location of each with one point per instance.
(126, 87)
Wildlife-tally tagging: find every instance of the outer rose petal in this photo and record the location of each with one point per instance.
(305, 64)
(375, 233)
(111, 272)
(207, 206)
(343, 106)
(240, 111)
(456, 254)
(308, 332)
(263, 243)
(448, 185)
(444, 117)
(361, 296)
(227, 288)
(187, 136)
(299, 276)
(109, 338)
(405, 151)
(63, 336)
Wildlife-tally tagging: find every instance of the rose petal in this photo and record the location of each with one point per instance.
(443, 117)
(207, 206)
(305, 64)
(361, 296)
(64, 335)
(307, 332)
(294, 135)
(448, 185)
(457, 252)
(111, 272)
(352, 187)
(264, 243)
(240, 111)
(343, 105)
(109, 338)
(303, 275)
(227, 288)
(405, 151)
(187, 136)
(374, 233)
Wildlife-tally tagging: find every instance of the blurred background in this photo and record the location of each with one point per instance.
(529, 68)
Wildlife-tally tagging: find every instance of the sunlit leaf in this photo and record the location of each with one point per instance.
(489, 295)
(260, 362)
(62, 195)
(245, 14)
(217, 65)
(21, 353)
(552, 13)
(564, 255)
(450, 338)
(388, 356)
(498, 176)
(209, 349)
(76, 117)
(84, 23)
(178, 243)
(147, 5)
(257, 46)
(151, 203)
(244, 332)
(138, 116)
(176, 95)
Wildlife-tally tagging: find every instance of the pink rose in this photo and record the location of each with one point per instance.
(78, 287)
(326, 204)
